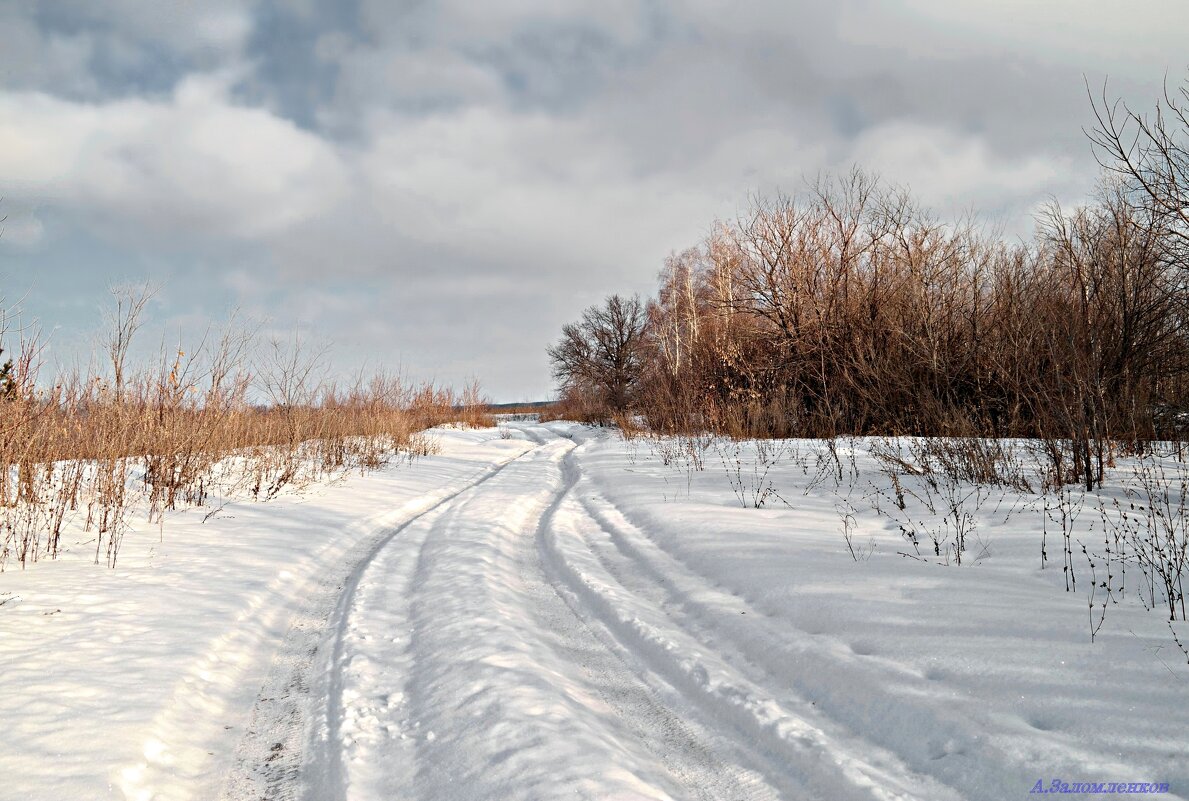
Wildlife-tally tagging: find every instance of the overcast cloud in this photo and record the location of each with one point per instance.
(440, 185)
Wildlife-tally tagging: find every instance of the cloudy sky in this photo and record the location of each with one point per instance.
(439, 186)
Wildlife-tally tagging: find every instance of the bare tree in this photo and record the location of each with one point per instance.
(1151, 152)
(290, 372)
(601, 353)
(228, 378)
(121, 325)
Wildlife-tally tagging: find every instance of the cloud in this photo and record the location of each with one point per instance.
(194, 165)
(449, 181)
(21, 226)
(90, 51)
(954, 172)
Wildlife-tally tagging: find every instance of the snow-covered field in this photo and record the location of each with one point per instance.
(555, 613)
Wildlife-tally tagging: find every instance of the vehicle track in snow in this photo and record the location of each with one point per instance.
(510, 642)
(277, 754)
(683, 628)
(704, 764)
(466, 674)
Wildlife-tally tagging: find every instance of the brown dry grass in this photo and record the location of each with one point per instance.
(180, 430)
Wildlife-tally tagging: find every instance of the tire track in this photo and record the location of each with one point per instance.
(799, 749)
(280, 756)
(514, 644)
(707, 765)
(477, 679)
(541, 693)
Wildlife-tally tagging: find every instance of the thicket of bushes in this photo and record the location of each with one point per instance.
(848, 309)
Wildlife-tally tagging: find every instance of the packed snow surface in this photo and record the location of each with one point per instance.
(548, 611)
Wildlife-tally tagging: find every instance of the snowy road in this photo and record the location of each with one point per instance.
(550, 611)
(518, 640)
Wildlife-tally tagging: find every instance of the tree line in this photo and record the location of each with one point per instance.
(850, 309)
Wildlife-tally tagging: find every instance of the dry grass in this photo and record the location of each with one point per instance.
(172, 434)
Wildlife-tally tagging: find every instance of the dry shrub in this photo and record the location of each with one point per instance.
(173, 433)
(849, 310)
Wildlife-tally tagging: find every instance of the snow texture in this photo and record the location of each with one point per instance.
(559, 614)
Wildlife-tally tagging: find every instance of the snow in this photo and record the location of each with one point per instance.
(138, 682)
(548, 611)
(980, 677)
